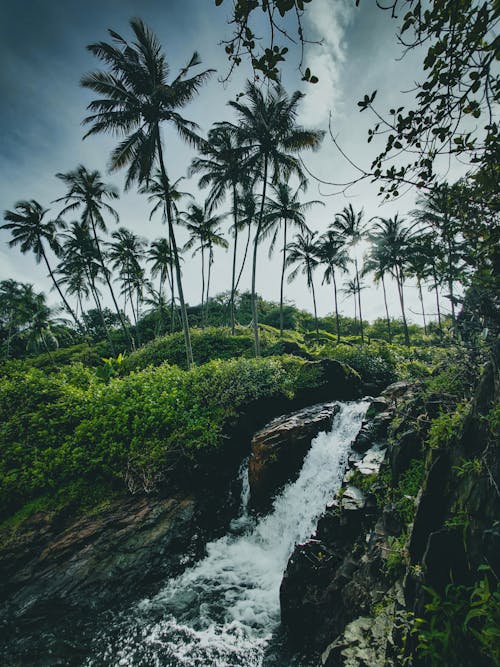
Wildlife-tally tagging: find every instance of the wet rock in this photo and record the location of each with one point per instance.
(278, 450)
(395, 390)
(49, 576)
(366, 641)
(372, 431)
(407, 447)
(352, 498)
(379, 404)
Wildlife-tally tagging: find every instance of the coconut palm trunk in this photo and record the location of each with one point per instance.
(235, 248)
(185, 323)
(337, 318)
(210, 262)
(421, 297)
(359, 302)
(315, 309)
(106, 274)
(56, 285)
(400, 281)
(387, 318)
(283, 267)
(202, 285)
(254, 262)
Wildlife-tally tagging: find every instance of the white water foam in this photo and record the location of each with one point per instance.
(222, 611)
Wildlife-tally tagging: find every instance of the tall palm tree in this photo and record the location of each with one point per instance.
(394, 236)
(303, 252)
(349, 227)
(161, 258)
(135, 98)
(18, 305)
(352, 288)
(220, 163)
(40, 330)
(89, 194)
(285, 209)
(437, 211)
(267, 127)
(163, 194)
(333, 255)
(213, 238)
(126, 252)
(377, 263)
(79, 254)
(204, 233)
(31, 232)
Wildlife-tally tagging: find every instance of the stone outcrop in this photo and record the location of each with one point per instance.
(279, 449)
(66, 577)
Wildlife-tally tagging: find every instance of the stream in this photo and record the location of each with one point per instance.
(224, 610)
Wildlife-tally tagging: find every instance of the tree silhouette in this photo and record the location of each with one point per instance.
(31, 232)
(135, 99)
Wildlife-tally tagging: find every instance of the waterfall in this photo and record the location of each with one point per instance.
(223, 610)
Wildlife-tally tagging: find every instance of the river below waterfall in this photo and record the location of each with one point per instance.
(224, 610)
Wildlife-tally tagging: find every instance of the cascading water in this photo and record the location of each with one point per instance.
(224, 610)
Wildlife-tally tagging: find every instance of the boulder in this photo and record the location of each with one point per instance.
(279, 449)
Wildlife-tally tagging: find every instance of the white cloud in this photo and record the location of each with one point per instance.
(328, 21)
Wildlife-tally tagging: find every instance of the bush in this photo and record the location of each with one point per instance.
(70, 425)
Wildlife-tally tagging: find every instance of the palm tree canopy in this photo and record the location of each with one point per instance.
(268, 129)
(203, 228)
(333, 254)
(304, 253)
(220, 162)
(30, 230)
(391, 238)
(87, 192)
(348, 225)
(160, 192)
(160, 256)
(135, 97)
(285, 206)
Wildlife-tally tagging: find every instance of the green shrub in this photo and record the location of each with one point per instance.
(70, 425)
(446, 428)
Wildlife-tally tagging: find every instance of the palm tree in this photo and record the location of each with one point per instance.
(18, 304)
(304, 253)
(40, 330)
(204, 234)
(126, 252)
(88, 193)
(161, 258)
(31, 232)
(394, 237)
(221, 165)
(79, 254)
(352, 288)
(267, 127)
(376, 262)
(437, 212)
(213, 237)
(286, 209)
(349, 228)
(333, 255)
(134, 100)
(160, 192)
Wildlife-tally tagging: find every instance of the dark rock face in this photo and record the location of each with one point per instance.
(336, 576)
(455, 553)
(330, 579)
(65, 577)
(279, 449)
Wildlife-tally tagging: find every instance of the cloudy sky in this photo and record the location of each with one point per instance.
(43, 55)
